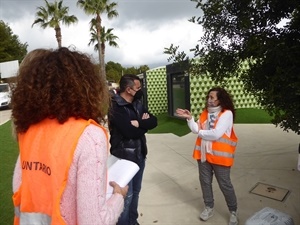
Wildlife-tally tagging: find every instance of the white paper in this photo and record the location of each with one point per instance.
(121, 171)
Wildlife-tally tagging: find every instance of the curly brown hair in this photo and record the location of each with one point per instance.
(224, 98)
(58, 84)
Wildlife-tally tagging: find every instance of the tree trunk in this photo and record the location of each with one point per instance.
(103, 56)
(101, 59)
(58, 36)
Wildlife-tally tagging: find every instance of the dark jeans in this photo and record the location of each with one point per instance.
(130, 213)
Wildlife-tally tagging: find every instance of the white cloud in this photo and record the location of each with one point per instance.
(144, 30)
(37, 37)
(139, 46)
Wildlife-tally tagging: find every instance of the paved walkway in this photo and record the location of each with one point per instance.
(4, 115)
(171, 193)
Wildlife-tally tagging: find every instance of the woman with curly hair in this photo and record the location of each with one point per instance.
(60, 175)
(214, 149)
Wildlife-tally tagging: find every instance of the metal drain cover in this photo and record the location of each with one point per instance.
(270, 191)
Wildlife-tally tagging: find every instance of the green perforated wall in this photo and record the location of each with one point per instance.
(157, 90)
(199, 86)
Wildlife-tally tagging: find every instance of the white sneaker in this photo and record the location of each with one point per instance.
(233, 218)
(207, 213)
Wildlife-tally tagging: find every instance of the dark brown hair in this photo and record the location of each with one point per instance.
(58, 84)
(127, 80)
(224, 98)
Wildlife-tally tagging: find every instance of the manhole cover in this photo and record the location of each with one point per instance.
(270, 191)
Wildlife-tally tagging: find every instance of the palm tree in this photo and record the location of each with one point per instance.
(52, 15)
(106, 36)
(97, 7)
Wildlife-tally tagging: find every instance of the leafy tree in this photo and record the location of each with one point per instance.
(249, 32)
(113, 75)
(116, 66)
(143, 69)
(106, 36)
(52, 15)
(114, 71)
(10, 46)
(131, 70)
(136, 70)
(96, 8)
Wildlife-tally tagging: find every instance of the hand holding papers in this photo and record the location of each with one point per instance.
(121, 171)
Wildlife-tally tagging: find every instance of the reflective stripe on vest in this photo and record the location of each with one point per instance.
(31, 218)
(34, 218)
(218, 153)
(46, 154)
(222, 149)
(221, 140)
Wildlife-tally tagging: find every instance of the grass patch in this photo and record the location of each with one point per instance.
(252, 116)
(167, 124)
(9, 153)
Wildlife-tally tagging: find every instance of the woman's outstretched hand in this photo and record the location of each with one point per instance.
(184, 113)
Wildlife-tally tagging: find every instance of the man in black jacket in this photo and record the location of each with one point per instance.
(129, 121)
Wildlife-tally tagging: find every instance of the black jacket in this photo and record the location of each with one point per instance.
(128, 141)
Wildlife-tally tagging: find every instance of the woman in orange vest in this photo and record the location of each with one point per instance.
(214, 149)
(61, 173)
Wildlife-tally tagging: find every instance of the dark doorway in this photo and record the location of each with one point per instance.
(143, 79)
(178, 87)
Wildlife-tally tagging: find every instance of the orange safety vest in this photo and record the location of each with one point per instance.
(222, 149)
(46, 154)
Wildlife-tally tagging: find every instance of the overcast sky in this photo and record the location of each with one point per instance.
(144, 29)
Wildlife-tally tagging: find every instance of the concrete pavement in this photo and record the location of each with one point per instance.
(171, 193)
(4, 115)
